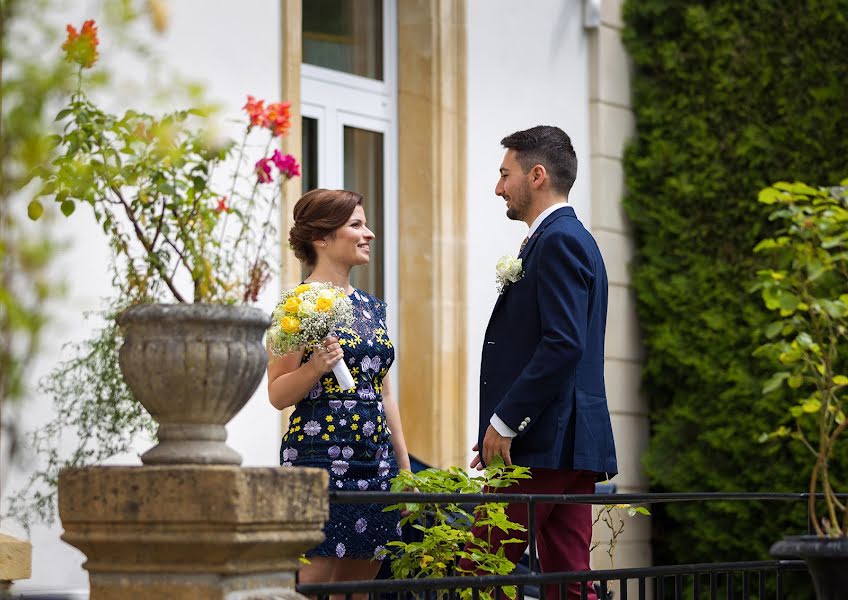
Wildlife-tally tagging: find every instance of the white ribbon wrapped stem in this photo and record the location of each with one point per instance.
(343, 375)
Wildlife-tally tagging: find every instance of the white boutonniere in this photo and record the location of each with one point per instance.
(508, 270)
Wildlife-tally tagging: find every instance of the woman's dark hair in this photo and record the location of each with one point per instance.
(317, 215)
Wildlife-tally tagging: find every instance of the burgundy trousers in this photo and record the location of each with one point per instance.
(563, 531)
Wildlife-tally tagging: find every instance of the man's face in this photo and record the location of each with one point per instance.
(514, 188)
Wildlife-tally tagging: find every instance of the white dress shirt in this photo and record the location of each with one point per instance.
(501, 427)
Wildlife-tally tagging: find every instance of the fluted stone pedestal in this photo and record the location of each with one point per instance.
(190, 531)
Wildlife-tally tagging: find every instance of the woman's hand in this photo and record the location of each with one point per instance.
(325, 357)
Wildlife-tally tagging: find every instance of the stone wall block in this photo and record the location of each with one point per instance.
(192, 531)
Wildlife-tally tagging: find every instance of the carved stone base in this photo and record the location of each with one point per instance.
(190, 531)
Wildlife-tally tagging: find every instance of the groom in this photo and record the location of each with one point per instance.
(542, 399)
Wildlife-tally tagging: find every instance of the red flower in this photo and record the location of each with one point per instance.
(81, 47)
(255, 110)
(278, 117)
(286, 164)
(263, 170)
(222, 205)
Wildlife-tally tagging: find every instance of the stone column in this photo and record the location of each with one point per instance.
(190, 531)
(612, 124)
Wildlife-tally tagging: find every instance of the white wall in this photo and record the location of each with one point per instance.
(527, 66)
(234, 51)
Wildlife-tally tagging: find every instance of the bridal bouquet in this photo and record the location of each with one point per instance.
(305, 316)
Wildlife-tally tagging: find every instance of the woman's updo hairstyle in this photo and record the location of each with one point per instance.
(317, 215)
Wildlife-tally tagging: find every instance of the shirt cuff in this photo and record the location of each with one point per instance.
(501, 427)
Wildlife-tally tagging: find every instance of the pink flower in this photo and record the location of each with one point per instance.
(286, 164)
(263, 170)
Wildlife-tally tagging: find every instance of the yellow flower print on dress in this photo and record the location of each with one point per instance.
(329, 418)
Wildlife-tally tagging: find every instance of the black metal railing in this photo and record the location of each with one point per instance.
(732, 580)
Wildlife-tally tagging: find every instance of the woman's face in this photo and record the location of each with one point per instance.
(350, 244)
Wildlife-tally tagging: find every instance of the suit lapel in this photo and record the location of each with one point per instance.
(565, 211)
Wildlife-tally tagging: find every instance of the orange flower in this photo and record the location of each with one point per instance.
(255, 110)
(222, 205)
(278, 117)
(81, 47)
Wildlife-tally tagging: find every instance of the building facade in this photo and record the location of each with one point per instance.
(406, 102)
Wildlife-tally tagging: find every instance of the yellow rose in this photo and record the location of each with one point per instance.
(303, 287)
(290, 324)
(323, 304)
(292, 304)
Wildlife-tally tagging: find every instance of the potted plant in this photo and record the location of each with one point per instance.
(806, 285)
(186, 257)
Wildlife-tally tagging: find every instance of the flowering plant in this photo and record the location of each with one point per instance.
(152, 185)
(308, 314)
(508, 270)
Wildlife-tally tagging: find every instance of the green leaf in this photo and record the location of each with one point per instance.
(775, 381)
(68, 207)
(811, 405)
(35, 210)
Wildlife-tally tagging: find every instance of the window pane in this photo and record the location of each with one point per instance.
(363, 173)
(345, 35)
(309, 159)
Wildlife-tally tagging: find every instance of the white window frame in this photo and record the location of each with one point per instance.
(335, 100)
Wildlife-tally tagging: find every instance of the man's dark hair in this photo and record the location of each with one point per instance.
(547, 146)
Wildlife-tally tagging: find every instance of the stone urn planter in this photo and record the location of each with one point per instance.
(826, 558)
(193, 367)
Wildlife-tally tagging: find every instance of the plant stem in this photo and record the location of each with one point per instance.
(147, 246)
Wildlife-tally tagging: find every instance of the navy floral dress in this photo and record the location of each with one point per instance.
(346, 433)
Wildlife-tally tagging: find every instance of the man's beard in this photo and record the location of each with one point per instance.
(520, 204)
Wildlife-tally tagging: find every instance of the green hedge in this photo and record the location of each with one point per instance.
(730, 96)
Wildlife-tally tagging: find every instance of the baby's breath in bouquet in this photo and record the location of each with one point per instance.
(305, 316)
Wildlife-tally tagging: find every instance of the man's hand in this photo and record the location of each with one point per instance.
(476, 463)
(494, 444)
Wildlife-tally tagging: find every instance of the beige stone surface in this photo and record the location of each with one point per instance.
(431, 94)
(607, 195)
(631, 440)
(611, 127)
(623, 380)
(174, 531)
(264, 586)
(626, 555)
(15, 558)
(609, 61)
(611, 13)
(617, 250)
(623, 339)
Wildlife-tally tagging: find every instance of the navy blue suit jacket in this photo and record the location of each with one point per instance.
(543, 354)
